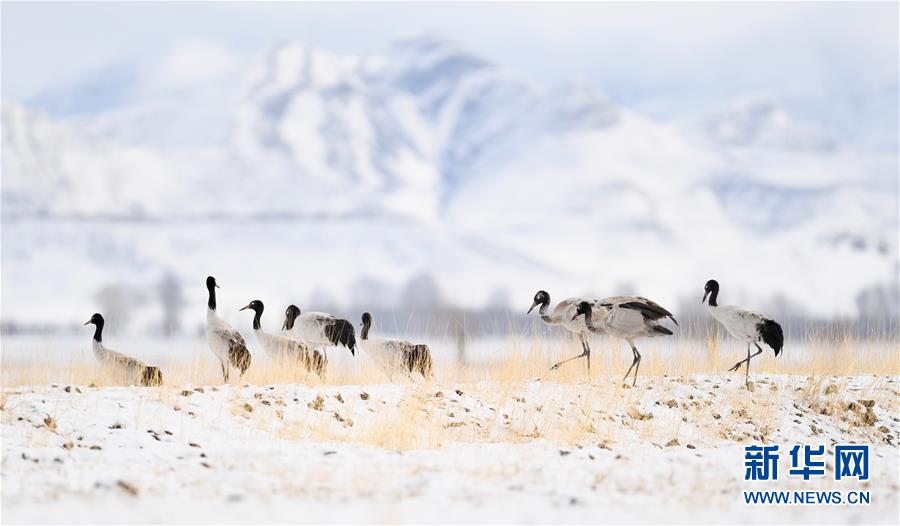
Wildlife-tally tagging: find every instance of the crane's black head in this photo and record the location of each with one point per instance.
(584, 308)
(290, 314)
(541, 298)
(97, 320)
(256, 305)
(366, 324)
(711, 287)
(211, 287)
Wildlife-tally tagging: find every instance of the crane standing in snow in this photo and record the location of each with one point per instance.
(225, 342)
(744, 325)
(626, 317)
(394, 355)
(318, 329)
(117, 363)
(564, 315)
(285, 348)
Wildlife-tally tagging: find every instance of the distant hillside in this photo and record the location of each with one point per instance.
(430, 159)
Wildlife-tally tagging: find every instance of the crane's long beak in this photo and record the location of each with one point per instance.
(705, 294)
(87, 322)
(246, 307)
(284, 325)
(533, 305)
(577, 315)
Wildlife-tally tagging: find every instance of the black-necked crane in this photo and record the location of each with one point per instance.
(285, 348)
(744, 325)
(563, 315)
(224, 340)
(628, 318)
(318, 329)
(394, 355)
(119, 364)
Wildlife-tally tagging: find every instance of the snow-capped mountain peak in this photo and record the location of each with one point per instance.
(755, 121)
(452, 165)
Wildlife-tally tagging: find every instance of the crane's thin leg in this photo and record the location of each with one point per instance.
(747, 360)
(736, 366)
(556, 365)
(633, 363)
(637, 366)
(224, 371)
(758, 352)
(747, 372)
(586, 353)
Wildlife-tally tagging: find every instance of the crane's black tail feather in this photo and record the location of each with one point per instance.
(239, 356)
(341, 332)
(661, 330)
(418, 360)
(151, 376)
(770, 333)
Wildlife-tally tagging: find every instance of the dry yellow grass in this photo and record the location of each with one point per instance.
(521, 358)
(568, 409)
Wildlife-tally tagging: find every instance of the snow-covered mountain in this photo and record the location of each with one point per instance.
(429, 159)
(754, 122)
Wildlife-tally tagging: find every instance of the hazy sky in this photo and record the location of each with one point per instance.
(656, 56)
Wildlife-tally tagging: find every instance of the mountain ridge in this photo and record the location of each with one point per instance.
(430, 134)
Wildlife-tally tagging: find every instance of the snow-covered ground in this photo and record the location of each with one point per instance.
(494, 451)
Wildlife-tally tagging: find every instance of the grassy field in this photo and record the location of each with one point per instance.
(563, 445)
(501, 359)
